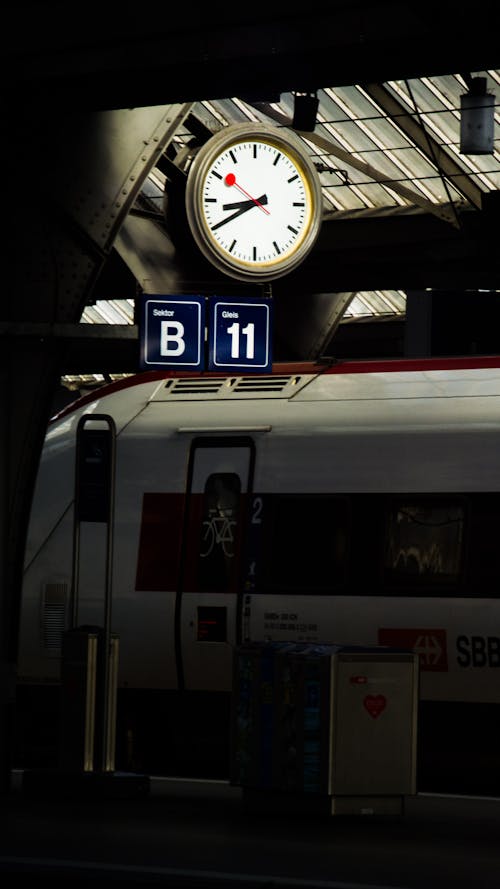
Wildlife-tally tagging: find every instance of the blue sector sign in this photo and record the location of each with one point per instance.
(172, 332)
(240, 334)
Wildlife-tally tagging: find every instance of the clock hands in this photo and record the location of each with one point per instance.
(230, 179)
(242, 206)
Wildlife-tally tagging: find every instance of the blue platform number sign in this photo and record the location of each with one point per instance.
(240, 334)
(172, 332)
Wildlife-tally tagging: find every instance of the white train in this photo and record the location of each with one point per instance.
(352, 503)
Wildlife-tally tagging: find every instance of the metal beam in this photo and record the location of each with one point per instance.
(43, 330)
(424, 140)
(125, 61)
(444, 212)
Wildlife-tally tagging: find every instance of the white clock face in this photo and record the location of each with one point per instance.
(253, 202)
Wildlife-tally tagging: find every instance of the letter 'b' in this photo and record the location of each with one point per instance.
(172, 338)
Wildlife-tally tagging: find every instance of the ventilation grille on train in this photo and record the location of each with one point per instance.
(271, 386)
(53, 616)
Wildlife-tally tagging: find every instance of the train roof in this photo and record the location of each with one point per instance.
(381, 379)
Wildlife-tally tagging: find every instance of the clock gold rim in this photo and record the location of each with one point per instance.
(200, 167)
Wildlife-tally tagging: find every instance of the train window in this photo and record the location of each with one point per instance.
(219, 532)
(424, 542)
(483, 550)
(306, 543)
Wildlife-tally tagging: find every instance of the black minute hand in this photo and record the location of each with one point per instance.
(246, 205)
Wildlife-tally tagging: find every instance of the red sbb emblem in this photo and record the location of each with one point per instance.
(358, 680)
(375, 705)
(428, 642)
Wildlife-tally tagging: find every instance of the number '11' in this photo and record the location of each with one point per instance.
(248, 332)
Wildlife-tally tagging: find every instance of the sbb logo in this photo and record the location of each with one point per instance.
(478, 651)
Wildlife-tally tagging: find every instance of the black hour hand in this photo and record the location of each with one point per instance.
(240, 205)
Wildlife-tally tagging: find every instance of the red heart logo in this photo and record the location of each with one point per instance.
(375, 704)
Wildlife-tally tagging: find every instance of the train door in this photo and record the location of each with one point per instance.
(207, 610)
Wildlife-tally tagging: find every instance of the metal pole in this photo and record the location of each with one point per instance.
(107, 755)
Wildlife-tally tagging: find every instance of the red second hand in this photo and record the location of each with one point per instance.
(230, 179)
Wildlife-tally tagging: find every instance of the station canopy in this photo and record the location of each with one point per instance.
(380, 150)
